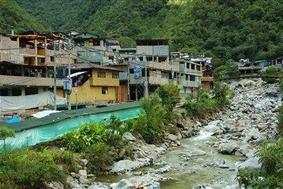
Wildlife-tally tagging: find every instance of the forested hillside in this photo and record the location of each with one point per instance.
(13, 17)
(224, 29)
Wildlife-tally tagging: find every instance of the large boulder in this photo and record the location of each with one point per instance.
(172, 137)
(129, 137)
(73, 183)
(227, 148)
(128, 165)
(252, 163)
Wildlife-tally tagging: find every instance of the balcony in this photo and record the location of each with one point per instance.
(6, 80)
(160, 65)
(157, 80)
(152, 80)
(193, 84)
(28, 51)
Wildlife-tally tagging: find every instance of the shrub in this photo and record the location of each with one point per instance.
(87, 135)
(270, 72)
(99, 157)
(271, 173)
(280, 121)
(220, 94)
(281, 86)
(150, 125)
(200, 105)
(67, 159)
(25, 169)
(6, 133)
(230, 69)
(107, 132)
(169, 95)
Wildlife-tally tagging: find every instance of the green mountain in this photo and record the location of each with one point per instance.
(14, 17)
(223, 29)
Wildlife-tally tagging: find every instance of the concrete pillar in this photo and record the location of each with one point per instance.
(23, 91)
(18, 57)
(45, 49)
(35, 46)
(40, 90)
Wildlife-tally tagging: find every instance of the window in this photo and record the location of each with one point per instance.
(198, 68)
(132, 71)
(101, 74)
(115, 75)
(51, 58)
(193, 67)
(104, 90)
(192, 78)
(187, 77)
(188, 65)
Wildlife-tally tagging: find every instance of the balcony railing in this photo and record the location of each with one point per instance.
(28, 51)
(193, 84)
(6, 80)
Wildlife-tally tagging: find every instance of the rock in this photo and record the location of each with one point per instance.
(73, 183)
(123, 184)
(172, 137)
(128, 165)
(99, 186)
(246, 83)
(148, 181)
(129, 137)
(245, 149)
(83, 173)
(54, 185)
(222, 164)
(252, 162)
(252, 134)
(84, 180)
(227, 148)
(75, 175)
(84, 161)
(164, 169)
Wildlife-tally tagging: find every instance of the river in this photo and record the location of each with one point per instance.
(197, 163)
(250, 119)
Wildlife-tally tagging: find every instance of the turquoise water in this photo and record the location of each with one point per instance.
(50, 132)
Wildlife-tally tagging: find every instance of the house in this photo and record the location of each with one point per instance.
(94, 84)
(123, 89)
(32, 48)
(24, 86)
(155, 50)
(93, 49)
(207, 71)
(277, 62)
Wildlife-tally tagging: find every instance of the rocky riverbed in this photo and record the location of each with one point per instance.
(209, 160)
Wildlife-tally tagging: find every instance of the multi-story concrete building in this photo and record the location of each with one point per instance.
(36, 49)
(27, 68)
(94, 84)
(93, 49)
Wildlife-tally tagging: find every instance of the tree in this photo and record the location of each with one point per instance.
(5, 133)
(150, 125)
(169, 95)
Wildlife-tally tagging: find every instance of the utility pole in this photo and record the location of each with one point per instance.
(146, 78)
(54, 75)
(69, 74)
